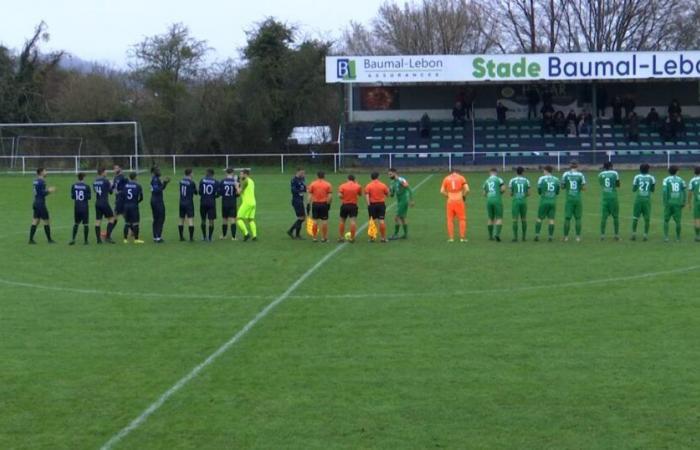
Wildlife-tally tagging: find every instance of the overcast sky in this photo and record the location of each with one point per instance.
(103, 31)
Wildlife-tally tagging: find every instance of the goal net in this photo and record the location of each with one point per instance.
(68, 147)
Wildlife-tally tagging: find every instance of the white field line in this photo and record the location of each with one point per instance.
(153, 407)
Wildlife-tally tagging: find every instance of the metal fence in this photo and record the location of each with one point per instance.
(282, 163)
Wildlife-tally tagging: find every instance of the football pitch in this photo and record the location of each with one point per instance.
(293, 344)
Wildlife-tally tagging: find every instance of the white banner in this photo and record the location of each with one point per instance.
(512, 68)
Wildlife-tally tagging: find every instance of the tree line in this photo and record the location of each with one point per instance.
(186, 104)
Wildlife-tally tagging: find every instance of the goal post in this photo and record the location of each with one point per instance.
(69, 146)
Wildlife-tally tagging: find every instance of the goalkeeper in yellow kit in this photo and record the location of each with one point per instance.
(246, 212)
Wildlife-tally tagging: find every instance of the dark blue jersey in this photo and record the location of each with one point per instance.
(40, 190)
(102, 188)
(118, 185)
(133, 194)
(298, 187)
(208, 191)
(228, 191)
(157, 188)
(81, 194)
(188, 189)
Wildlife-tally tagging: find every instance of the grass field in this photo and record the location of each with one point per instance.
(415, 344)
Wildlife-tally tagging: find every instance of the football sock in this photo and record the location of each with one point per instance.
(490, 227)
(635, 222)
(254, 229)
(181, 231)
(678, 230)
(135, 231)
(616, 225)
(397, 227)
(647, 224)
(233, 230)
(242, 227)
(211, 231)
(47, 231)
(405, 229)
(86, 232)
(567, 227)
(203, 227)
(498, 230)
(98, 233)
(224, 230)
(75, 231)
(579, 225)
(538, 228)
(551, 230)
(110, 228)
(126, 231)
(191, 230)
(524, 223)
(32, 232)
(353, 229)
(666, 226)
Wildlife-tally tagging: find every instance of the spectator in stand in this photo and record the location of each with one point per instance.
(559, 122)
(668, 131)
(652, 120)
(617, 110)
(633, 127)
(501, 111)
(601, 101)
(585, 122)
(533, 99)
(628, 104)
(458, 114)
(677, 126)
(571, 120)
(425, 126)
(547, 119)
(674, 108)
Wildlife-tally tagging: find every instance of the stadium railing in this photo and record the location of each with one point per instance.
(286, 162)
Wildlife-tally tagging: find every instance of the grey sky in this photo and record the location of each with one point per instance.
(103, 30)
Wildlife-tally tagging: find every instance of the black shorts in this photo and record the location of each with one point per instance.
(348, 210)
(207, 211)
(81, 215)
(377, 211)
(119, 207)
(131, 213)
(103, 210)
(319, 211)
(40, 211)
(228, 211)
(298, 206)
(186, 210)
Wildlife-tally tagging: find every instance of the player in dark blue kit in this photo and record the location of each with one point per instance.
(41, 213)
(157, 204)
(133, 195)
(188, 189)
(228, 191)
(80, 194)
(298, 188)
(118, 189)
(208, 191)
(103, 188)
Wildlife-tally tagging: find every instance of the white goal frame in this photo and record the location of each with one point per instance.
(133, 124)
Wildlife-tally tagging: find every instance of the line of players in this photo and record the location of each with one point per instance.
(318, 197)
(574, 183)
(129, 194)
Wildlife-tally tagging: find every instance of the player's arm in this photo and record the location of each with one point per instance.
(635, 185)
(617, 180)
(329, 197)
(166, 180)
(465, 191)
(140, 198)
(503, 187)
(443, 191)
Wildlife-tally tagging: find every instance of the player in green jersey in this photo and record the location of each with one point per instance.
(674, 201)
(610, 206)
(548, 187)
(246, 212)
(574, 182)
(694, 192)
(493, 188)
(643, 185)
(519, 191)
(400, 189)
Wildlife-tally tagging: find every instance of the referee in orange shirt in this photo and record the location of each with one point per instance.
(455, 188)
(348, 193)
(320, 192)
(376, 193)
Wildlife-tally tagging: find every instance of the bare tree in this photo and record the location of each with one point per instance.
(428, 27)
(528, 26)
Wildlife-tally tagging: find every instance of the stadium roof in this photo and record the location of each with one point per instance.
(412, 69)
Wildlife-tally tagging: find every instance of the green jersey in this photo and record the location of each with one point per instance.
(248, 192)
(609, 182)
(573, 182)
(519, 187)
(643, 184)
(694, 187)
(492, 188)
(401, 190)
(548, 187)
(674, 190)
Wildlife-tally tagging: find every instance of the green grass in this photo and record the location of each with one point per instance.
(415, 344)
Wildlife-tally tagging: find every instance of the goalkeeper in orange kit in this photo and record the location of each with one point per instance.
(455, 188)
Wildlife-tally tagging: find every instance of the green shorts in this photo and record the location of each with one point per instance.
(519, 209)
(610, 207)
(546, 210)
(674, 212)
(402, 209)
(573, 208)
(494, 210)
(642, 208)
(246, 211)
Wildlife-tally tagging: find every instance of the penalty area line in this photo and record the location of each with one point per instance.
(182, 382)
